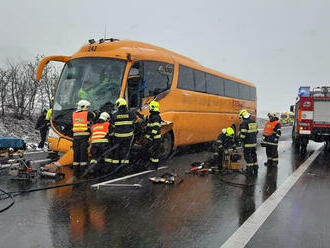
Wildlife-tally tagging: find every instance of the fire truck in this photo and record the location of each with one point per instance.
(312, 117)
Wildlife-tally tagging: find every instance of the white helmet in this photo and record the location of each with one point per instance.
(83, 105)
(224, 130)
(104, 116)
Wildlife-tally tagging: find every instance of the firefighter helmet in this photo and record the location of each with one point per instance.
(244, 114)
(230, 131)
(121, 102)
(271, 114)
(104, 116)
(83, 105)
(154, 106)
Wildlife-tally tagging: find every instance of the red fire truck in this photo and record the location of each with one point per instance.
(312, 117)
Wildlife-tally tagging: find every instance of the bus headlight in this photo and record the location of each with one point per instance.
(52, 134)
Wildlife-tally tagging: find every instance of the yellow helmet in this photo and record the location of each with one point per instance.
(230, 131)
(243, 113)
(154, 106)
(121, 102)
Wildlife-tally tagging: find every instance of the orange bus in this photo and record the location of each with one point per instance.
(196, 102)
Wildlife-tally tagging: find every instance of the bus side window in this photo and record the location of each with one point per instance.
(157, 77)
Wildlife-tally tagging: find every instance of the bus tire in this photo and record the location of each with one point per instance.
(166, 146)
(327, 146)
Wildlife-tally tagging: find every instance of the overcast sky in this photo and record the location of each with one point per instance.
(276, 44)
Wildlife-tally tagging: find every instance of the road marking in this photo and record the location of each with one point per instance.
(245, 232)
(97, 185)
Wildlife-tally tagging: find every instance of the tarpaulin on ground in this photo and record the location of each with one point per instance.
(13, 142)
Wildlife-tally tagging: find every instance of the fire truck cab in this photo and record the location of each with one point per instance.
(312, 117)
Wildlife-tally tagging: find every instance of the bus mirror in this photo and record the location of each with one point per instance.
(46, 60)
(291, 108)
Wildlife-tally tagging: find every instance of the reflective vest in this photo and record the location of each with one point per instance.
(49, 114)
(269, 128)
(80, 123)
(99, 131)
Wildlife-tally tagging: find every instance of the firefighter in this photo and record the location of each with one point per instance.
(100, 143)
(81, 120)
(50, 111)
(272, 133)
(225, 141)
(123, 128)
(42, 126)
(248, 135)
(153, 133)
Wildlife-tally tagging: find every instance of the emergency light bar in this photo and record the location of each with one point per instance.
(304, 91)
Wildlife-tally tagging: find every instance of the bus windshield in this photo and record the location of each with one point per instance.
(97, 80)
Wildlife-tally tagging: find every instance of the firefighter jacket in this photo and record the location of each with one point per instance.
(248, 133)
(272, 132)
(81, 121)
(123, 123)
(223, 143)
(100, 132)
(153, 125)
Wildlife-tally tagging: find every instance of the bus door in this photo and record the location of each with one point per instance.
(146, 80)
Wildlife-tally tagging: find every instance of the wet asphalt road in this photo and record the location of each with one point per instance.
(199, 212)
(303, 213)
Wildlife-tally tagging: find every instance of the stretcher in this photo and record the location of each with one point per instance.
(10, 146)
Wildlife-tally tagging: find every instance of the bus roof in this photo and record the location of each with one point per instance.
(143, 51)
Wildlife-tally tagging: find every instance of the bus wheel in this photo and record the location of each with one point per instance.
(166, 146)
(327, 146)
(296, 144)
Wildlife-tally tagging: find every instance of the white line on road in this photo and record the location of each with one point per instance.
(245, 232)
(97, 185)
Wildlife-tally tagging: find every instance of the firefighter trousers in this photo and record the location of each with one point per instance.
(272, 154)
(250, 156)
(80, 150)
(43, 136)
(121, 152)
(153, 149)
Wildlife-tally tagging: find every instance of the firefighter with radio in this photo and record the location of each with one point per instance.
(272, 133)
(225, 141)
(100, 140)
(122, 122)
(153, 132)
(248, 134)
(81, 120)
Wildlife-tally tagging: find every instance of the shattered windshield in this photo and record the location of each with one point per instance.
(97, 80)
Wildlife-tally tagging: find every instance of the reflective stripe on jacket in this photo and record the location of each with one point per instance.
(153, 126)
(80, 123)
(248, 133)
(123, 121)
(99, 132)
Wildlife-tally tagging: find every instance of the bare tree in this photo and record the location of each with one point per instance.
(21, 93)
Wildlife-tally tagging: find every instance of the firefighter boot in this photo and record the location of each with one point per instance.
(76, 170)
(255, 170)
(249, 171)
(82, 169)
(268, 163)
